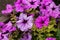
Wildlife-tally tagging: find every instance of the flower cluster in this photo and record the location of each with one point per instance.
(40, 13)
(5, 29)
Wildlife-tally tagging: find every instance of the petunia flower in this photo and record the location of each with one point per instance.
(59, 10)
(53, 10)
(6, 27)
(25, 22)
(50, 10)
(44, 10)
(1, 24)
(26, 36)
(31, 3)
(50, 38)
(8, 10)
(19, 7)
(44, 7)
(46, 2)
(41, 21)
(4, 36)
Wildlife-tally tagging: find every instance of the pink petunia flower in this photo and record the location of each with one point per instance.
(41, 21)
(19, 8)
(44, 10)
(7, 27)
(4, 36)
(8, 10)
(46, 2)
(31, 3)
(50, 38)
(53, 10)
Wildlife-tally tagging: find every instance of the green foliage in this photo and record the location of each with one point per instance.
(15, 35)
(41, 34)
(58, 34)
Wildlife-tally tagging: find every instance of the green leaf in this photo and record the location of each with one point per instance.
(58, 34)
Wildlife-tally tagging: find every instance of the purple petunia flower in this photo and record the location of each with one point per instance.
(59, 10)
(53, 10)
(8, 10)
(59, 7)
(24, 23)
(0, 35)
(3, 36)
(19, 7)
(7, 27)
(26, 36)
(50, 10)
(50, 38)
(46, 2)
(44, 10)
(41, 21)
(31, 3)
(1, 24)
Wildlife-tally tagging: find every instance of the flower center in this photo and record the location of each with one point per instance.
(32, 3)
(53, 8)
(24, 21)
(44, 7)
(42, 22)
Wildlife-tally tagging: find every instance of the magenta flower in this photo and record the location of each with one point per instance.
(19, 7)
(44, 10)
(1, 24)
(31, 3)
(50, 38)
(26, 36)
(3, 36)
(59, 7)
(8, 9)
(46, 2)
(7, 27)
(41, 21)
(53, 10)
(59, 10)
(24, 23)
(44, 7)
(0, 36)
(50, 10)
